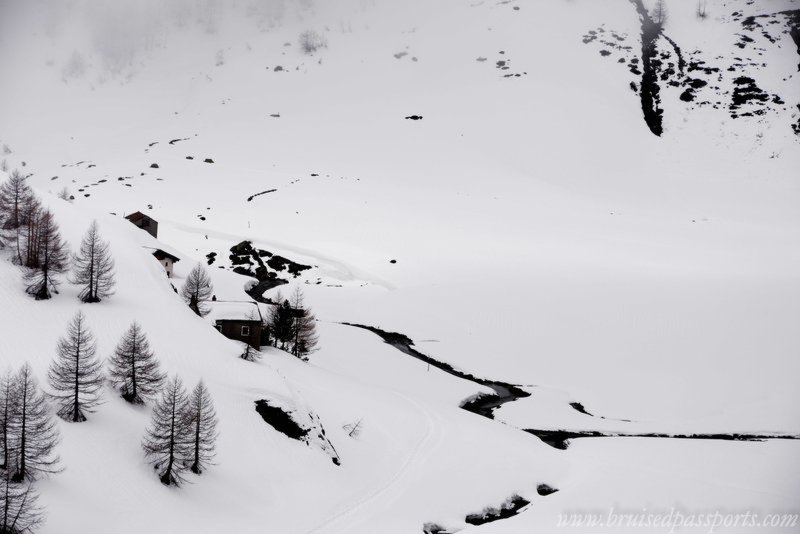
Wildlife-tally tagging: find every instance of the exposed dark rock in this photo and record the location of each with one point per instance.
(545, 490)
(510, 508)
(251, 197)
(577, 406)
(280, 420)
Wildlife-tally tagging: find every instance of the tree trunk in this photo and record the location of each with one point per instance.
(196, 465)
(133, 371)
(165, 479)
(75, 408)
(20, 475)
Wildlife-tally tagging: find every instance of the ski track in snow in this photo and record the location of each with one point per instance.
(421, 450)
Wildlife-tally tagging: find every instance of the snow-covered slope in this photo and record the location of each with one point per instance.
(414, 435)
(541, 234)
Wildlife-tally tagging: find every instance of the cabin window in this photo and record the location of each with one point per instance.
(245, 330)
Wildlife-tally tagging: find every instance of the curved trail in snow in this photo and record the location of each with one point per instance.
(420, 451)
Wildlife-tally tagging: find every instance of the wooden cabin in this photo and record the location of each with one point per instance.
(146, 223)
(240, 321)
(166, 259)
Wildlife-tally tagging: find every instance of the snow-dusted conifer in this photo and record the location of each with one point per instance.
(34, 434)
(197, 290)
(203, 427)
(133, 368)
(94, 267)
(75, 374)
(167, 443)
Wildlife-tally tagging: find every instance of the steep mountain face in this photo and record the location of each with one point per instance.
(593, 202)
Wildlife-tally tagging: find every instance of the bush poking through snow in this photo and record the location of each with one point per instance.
(76, 373)
(311, 41)
(64, 194)
(354, 429)
(250, 354)
(133, 368)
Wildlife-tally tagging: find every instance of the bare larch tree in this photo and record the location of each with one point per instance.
(8, 408)
(76, 372)
(15, 193)
(167, 443)
(281, 318)
(34, 435)
(203, 426)
(304, 328)
(133, 368)
(197, 290)
(50, 255)
(19, 509)
(93, 267)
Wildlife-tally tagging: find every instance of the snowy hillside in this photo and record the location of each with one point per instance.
(522, 198)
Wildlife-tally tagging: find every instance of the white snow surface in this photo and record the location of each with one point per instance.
(541, 234)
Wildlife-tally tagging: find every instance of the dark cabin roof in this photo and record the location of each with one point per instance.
(161, 254)
(136, 216)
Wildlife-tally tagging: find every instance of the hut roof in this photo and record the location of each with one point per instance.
(137, 216)
(165, 251)
(235, 311)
